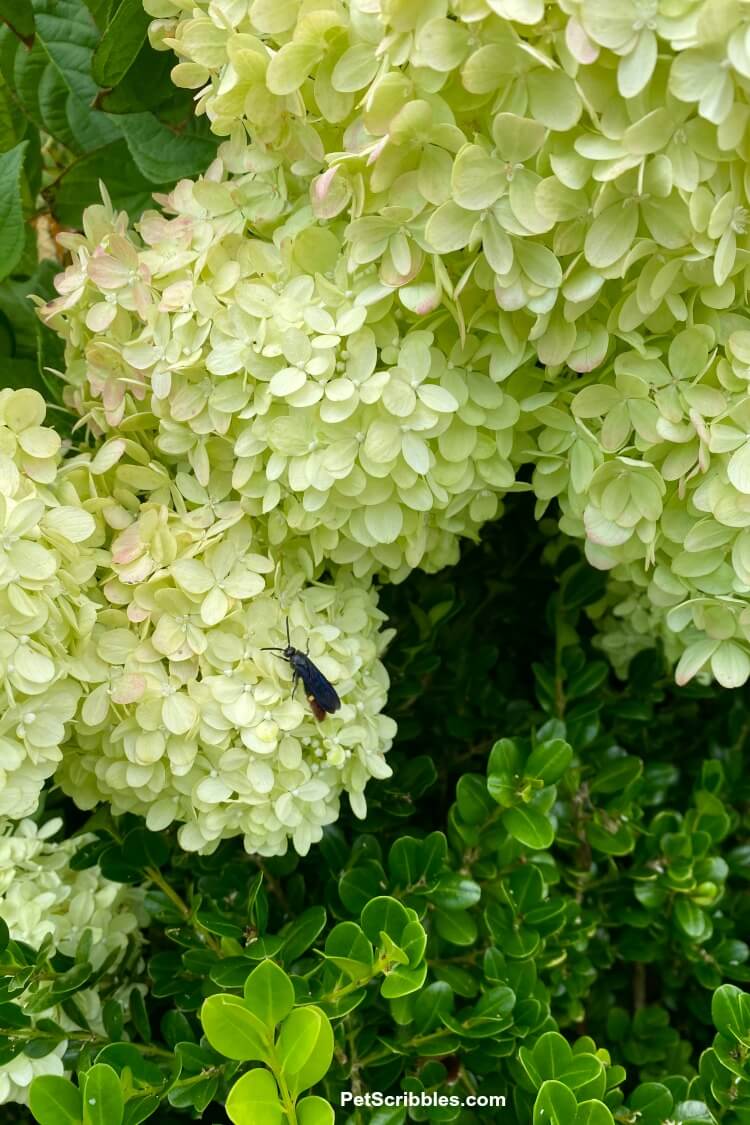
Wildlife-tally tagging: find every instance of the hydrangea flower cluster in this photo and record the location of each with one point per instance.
(334, 414)
(567, 182)
(43, 899)
(533, 153)
(47, 566)
(184, 716)
(651, 462)
(438, 246)
(131, 641)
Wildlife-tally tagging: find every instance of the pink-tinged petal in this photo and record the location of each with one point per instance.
(58, 305)
(129, 688)
(579, 44)
(328, 197)
(106, 272)
(115, 417)
(137, 571)
(141, 295)
(123, 249)
(100, 316)
(176, 296)
(112, 394)
(378, 149)
(70, 280)
(127, 546)
(322, 183)
(137, 614)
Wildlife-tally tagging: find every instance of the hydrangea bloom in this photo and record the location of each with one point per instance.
(43, 899)
(47, 564)
(183, 716)
(540, 150)
(131, 641)
(572, 167)
(284, 380)
(651, 463)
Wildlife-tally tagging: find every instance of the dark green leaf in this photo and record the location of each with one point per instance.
(120, 44)
(12, 230)
(161, 155)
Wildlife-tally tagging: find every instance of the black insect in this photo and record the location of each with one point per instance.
(320, 692)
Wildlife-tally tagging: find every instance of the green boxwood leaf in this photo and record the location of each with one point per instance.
(314, 1111)
(300, 935)
(233, 1030)
(348, 948)
(254, 1100)
(103, 1102)
(555, 1105)
(730, 1012)
(529, 826)
(593, 1113)
(269, 993)
(305, 1048)
(385, 915)
(549, 761)
(402, 981)
(432, 1002)
(55, 1101)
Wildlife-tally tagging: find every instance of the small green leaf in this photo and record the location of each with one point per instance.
(300, 935)
(386, 915)
(593, 1113)
(55, 1101)
(254, 1100)
(692, 920)
(730, 1012)
(432, 1002)
(530, 827)
(233, 1030)
(305, 1048)
(456, 892)
(103, 1102)
(549, 761)
(555, 1105)
(348, 948)
(402, 981)
(314, 1111)
(269, 993)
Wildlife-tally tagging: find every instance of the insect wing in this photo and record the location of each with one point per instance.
(317, 686)
(316, 709)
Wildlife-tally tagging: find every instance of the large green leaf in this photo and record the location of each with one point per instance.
(12, 228)
(161, 154)
(19, 16)
(80, 185)
(68, 34)
(120, 44)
